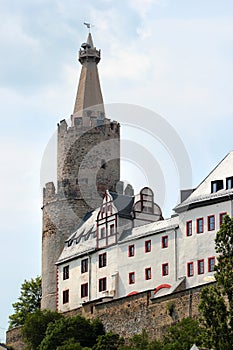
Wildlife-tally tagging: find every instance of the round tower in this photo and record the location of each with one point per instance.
(88, 163)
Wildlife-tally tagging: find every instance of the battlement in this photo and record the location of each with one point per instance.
(49, 192)
(89, 123)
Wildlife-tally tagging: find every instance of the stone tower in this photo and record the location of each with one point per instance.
(88, 163)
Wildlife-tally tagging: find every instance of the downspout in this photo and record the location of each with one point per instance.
(176, 257)
(89, 281)
(231, 208)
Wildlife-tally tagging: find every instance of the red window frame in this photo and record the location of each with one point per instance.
(165, 269)
(211, 258)
(200, 229)
(102, 260)
(148, 275)
(148, 246)
(189, 228)
(84, 265)
(65, 296)
(164, 241)
(111, 229)
(131, 250)
(200, 267)
(66, 272)
(102, 232)
(84, 290)
(131, 277)
(210, 217)
(189, 273)
(102, 284)
(221, 218)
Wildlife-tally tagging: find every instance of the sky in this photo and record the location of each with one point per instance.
(170, 57)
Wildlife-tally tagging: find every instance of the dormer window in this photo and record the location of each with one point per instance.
(216, 186)
(229, 183)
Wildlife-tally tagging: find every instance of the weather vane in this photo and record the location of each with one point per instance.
(88, 25)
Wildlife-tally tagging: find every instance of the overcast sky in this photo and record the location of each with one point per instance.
(171, 56)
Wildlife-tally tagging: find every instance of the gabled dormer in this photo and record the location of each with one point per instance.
(106, 227)
(216, 187)
(145, 209)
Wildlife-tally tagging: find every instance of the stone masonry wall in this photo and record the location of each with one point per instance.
(130, 315)
(14, 339)
(88, 164)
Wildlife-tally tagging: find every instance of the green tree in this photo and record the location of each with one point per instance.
(139, 341)
(216, 304)
(77, 328)
(70, 344)
(183, 335)
(109, 341)
(34, 328)
(28, 302)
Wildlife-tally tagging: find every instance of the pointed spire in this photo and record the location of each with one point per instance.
(89, 91)
(90, 41)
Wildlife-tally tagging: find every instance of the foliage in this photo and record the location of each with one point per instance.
(70, 344)
(170, 307)
(216, 304)
(141, 342)
(28, 302)
(109, 341)
(35, 326)
(76, 328)
(183, 335)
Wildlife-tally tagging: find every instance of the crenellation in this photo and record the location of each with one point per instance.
(49, 192)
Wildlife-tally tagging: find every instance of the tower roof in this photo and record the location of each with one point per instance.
(89, 100)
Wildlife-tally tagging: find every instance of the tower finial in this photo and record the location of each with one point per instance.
(89, 93)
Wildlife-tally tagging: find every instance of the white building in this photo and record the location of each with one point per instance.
(126, 246)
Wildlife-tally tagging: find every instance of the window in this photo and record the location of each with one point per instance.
(216, 186)
(102, 284)
(131, 250)
(131, 277)
(109, 208)
(102, 232)
(84, 290)
(200, 225)
(200, 267)
(211, 264)
(221, 218)
(229, 183)
(147, 246)
(65, 296)
(103, 164)
(112, 230)
(148, 273)
(211, 223)
(164, 241)
(165, 269)
(189, 228)
(66, 272)
(147, 207)
(190, 270)
(102, 260)
(84, 265)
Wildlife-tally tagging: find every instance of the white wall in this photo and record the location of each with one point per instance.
(198, 245)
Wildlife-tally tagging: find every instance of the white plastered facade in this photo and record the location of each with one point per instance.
(181, 250)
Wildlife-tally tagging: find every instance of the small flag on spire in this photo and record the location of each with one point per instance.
(87, 24)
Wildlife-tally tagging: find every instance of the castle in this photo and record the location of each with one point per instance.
(101, 242)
